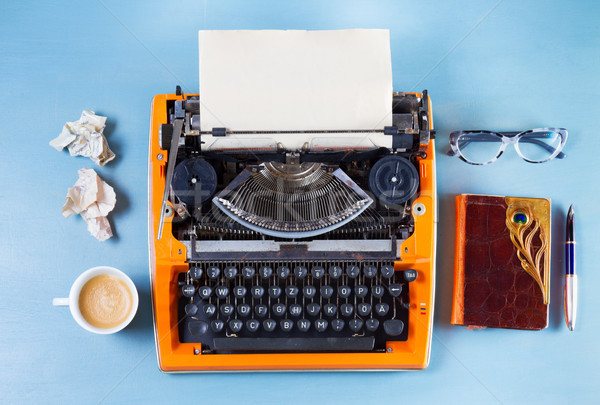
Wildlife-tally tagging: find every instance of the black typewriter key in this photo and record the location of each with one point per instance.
(257, 291)
(355, 324)
(303, 325)
(291, 291)
(377, 291)
(393, 327)
(337, 325)
(409, 275)
(269, 325)
(364, 309)
(252, 325)
(313, 309)
(382, 308)
(370, 271)
(198, 328)
(329, 309)
(321, 325)
(217, 325)
(195, 272)
(244, 310)
(352, 271)
(191, 309)
(248, 272)
(209, 310)
(204, 292)
(286, 325)
(230, 272)
(387, 271)
(300, 272)
(188, 290)
(274, 291)
(344, 291)
(309, 291)
(239, 291)
(326, 291)
(261, 310)
(265, 272)
(283, 272)
(226, 309)
(235, 325)
(279, 309)
(347, 309)
(295, 310)
(213, 272)
(221, 291)
(361, 291)
(317, 272)
(335, 272)
(372, 324)
(395, 289)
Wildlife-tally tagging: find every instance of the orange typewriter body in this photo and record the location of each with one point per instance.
(168, 260)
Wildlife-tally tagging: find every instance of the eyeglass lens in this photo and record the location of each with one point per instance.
(538, 146)
(479, 147)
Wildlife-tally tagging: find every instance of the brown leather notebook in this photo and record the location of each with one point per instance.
(502, 263)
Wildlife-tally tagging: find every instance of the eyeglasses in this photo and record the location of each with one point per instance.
(484, 147)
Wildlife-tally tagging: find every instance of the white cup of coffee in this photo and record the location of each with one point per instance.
(102, 300)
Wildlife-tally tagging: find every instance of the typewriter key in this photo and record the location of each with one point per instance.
(313, 309)
(217, 325)
(326, 291)
(355, 324)
(188, 290)
(269, 325)
(377, 291)
(295, 310)
(303, 325)
(195, 272)
(347, 309)
(330, 309)
(337, 325)
(387, 271)
(395, 289)
(235, 325)
(300, 272)
(191, 309)
(372, 324)
(352, 271)
(382, 308)
(335, 272)
(361, 291)
(252, 325)
(198, 328)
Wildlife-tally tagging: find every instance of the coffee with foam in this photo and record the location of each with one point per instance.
(105, 301)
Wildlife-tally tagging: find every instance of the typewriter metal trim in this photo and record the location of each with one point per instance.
(168, 255)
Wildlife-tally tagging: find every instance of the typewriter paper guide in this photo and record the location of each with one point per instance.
(295, 81)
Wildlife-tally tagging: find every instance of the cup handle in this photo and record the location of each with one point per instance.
(60, 302)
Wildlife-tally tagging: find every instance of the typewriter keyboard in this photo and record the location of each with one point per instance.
(293, 306)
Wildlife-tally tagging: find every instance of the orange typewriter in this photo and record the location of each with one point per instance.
(284, 251)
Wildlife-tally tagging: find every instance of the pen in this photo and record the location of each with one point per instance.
(570, 276)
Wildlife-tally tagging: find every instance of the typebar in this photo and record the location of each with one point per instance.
(338, 344)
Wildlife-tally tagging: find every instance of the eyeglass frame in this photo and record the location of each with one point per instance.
(509, 138)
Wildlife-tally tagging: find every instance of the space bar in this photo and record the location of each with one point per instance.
(338, 344)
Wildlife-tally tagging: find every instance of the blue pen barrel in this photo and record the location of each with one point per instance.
(570, 258)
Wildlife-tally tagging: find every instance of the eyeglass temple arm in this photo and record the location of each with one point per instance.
(526, 140)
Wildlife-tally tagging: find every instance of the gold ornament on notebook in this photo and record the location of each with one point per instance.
(526, 218)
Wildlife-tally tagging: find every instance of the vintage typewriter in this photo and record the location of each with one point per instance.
(301, 257)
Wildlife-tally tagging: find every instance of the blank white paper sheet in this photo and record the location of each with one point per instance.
(295, 80)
